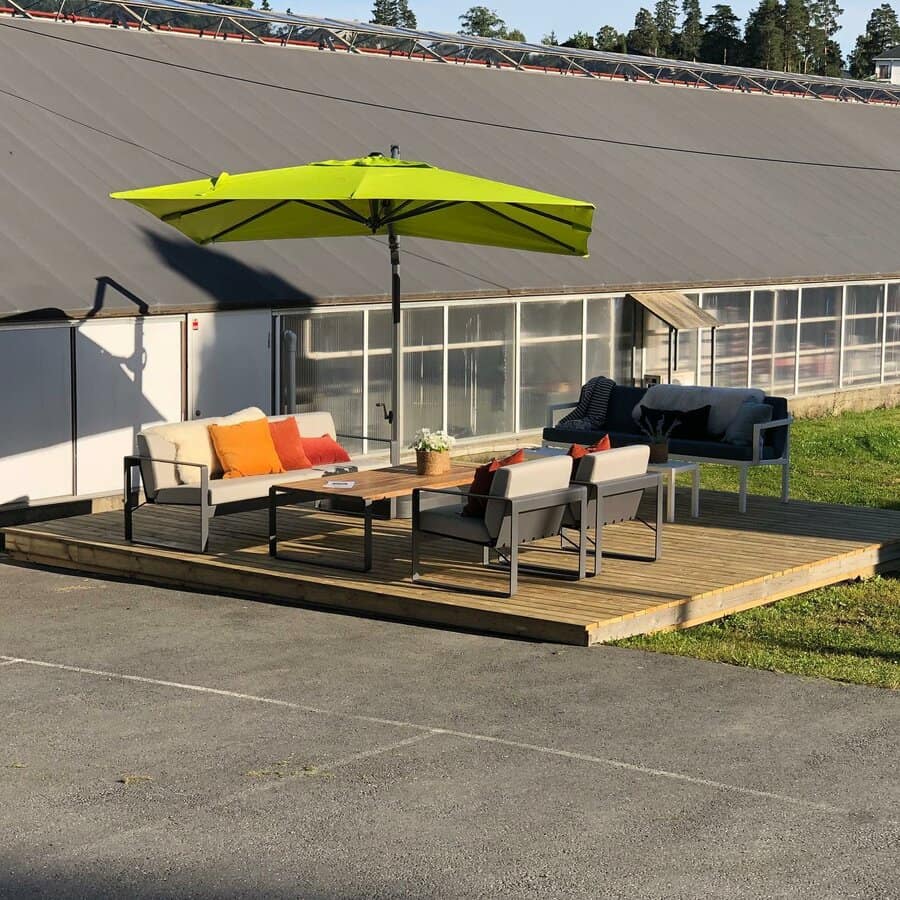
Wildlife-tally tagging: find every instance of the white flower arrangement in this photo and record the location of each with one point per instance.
(436, 441)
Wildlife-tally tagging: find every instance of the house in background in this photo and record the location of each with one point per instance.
(887, 66)
(732, 188)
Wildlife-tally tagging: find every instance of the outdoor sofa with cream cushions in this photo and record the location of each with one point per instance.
(178, 466)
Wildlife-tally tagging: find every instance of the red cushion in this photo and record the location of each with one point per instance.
(481, 483)
(288, 444)
(323, 451)
(577, 451)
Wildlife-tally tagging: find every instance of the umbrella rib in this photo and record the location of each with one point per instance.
(342, 213)
(539, 212)
(536, 231)
(346, 210)
(168, 217)
(247, 221)
(433, 206)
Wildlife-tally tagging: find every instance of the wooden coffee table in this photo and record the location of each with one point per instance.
(368, 488)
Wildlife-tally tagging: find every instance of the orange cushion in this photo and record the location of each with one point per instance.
(481, 483)
(245, 449)
(288, 445)
(323, 451)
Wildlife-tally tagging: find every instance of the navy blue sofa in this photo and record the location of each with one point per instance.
(773, 448)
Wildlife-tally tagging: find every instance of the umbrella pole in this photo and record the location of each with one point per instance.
(396, 348)
(396, 338)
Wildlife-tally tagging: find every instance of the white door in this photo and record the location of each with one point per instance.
(35, 414)
(229, 362)
(128, 375)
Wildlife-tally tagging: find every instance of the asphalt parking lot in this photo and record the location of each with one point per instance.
(164, 744)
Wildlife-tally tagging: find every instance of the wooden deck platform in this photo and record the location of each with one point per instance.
(717, 564)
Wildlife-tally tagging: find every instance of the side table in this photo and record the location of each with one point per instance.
(668, 471)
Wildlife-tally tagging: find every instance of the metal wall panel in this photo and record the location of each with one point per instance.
(229, 362)
(35, 414)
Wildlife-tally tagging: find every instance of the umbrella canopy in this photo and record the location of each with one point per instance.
(359, 197)
(370, 196)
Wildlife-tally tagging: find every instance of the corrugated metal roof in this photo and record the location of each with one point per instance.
(81, 109)
(675, 309)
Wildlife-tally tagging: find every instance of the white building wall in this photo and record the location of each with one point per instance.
(894, 70)
(129, 374)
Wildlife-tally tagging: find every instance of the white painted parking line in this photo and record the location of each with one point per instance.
(92, 849)
(434, 730)
(8, 662)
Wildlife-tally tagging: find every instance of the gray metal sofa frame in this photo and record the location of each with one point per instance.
(744, 465)
(520, 525)
(207, 510)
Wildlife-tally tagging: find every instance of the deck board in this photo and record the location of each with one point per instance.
(718, 563)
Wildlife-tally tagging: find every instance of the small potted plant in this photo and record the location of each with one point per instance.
(658, 433)
(432, 451)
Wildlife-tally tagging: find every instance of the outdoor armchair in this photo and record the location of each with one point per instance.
(526, 503)
(615, 481)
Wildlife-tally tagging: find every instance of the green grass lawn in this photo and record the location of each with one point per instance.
(848, 632)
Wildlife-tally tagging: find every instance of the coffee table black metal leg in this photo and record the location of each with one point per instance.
(273, 522)
(298, 498)
(367, 536)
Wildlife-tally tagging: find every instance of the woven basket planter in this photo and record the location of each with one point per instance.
(432, 462)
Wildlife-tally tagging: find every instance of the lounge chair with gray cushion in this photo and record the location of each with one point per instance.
(526, 503)
(615, 481)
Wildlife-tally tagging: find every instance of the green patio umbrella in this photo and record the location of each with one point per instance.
(375, 195)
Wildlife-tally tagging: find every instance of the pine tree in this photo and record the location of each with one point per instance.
(763, 36)
(406, 18)
(691, 36)
(643, 38)
(384, 12)
(795, 28)
(823, 26)
(665, 26)
(721, 39)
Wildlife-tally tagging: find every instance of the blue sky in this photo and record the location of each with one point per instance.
(537, 19)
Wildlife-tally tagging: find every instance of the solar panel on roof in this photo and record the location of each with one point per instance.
(564, 59)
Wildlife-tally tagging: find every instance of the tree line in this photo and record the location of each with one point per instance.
(785, 35)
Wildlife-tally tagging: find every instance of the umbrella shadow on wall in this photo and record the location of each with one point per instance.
(230, 366)
(228, 282)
